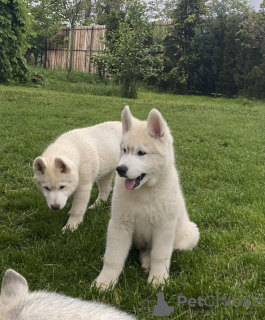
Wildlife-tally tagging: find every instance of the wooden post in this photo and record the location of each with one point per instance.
(71, 50)
(90, 50)
(45, 55)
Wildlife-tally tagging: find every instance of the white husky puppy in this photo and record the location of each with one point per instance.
(17, 303)
(71, 165)
(148, 209)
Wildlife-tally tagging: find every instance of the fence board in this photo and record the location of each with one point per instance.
(86, 43)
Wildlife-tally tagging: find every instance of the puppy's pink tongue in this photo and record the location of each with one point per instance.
(129, 184)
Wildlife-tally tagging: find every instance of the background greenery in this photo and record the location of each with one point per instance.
(210, 47)
(14, 24)
(215, 47)
(219, 145)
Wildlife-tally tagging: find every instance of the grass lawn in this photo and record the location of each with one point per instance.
(219, 146)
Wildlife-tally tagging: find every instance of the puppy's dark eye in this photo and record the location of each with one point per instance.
(141, 153)
(62, 187)
(48, 189)
(124, 150)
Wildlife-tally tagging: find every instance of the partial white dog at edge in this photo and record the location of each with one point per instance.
(71, 164)
(17, 303)
(148, 209)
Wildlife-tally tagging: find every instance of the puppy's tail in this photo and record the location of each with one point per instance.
(188, 238)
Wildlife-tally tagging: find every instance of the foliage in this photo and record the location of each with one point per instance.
(44, 25)
(131, 47)
(214, 47)
(49, 16)
(254, 83)
(103, 8)
(251, 38)
(71, 12)
(179, 44)
(13, 30)
(202, 64)
(226, 25)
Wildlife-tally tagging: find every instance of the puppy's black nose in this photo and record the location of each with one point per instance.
(55, 206)
(122, 170)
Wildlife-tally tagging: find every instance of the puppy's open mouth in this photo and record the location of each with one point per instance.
(131, 184)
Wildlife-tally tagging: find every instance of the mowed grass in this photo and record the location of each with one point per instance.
(219, 147)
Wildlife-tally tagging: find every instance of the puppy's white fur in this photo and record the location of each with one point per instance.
(17, 303)
(71, 165)
(150, 215)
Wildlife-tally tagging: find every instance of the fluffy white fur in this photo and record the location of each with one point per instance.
(71, 165)
(17, 303)
(152, 215)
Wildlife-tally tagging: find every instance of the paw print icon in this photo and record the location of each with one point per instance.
(225, 301)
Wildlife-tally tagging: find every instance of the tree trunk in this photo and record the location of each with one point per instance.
(129, 88)
(36, 55)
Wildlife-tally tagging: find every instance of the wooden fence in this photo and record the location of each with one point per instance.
(86, 44)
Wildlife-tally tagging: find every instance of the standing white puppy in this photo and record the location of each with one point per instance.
(17, 303)
(148, 209)
(71, 165)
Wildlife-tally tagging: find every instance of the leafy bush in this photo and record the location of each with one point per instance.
(255, 83)
(13, 28)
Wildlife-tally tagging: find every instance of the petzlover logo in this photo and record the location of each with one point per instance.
(159, 307)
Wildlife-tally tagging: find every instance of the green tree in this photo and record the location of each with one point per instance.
(216, 46)
(179, 46)
(216, 64)
(130, 53)
(13, 30)
(251, 62)
(227, 17)
(202, 64)
(44, 25)
(103, 8)
(72, 12)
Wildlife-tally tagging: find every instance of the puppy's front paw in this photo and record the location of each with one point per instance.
(104, 282)
(72, 224)
(94, 205)
(157, 279)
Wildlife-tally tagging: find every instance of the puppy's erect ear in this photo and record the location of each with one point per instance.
(126, 119)
(13, 286)
(61, 164)
(39, 165)
(156, 124)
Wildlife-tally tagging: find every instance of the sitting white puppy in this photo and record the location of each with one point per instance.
(148, 209)
(17, 303)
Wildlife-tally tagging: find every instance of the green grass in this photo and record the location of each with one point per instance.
(219, 146)
(78, 82)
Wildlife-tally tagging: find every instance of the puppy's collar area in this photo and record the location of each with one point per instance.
(131, 184)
